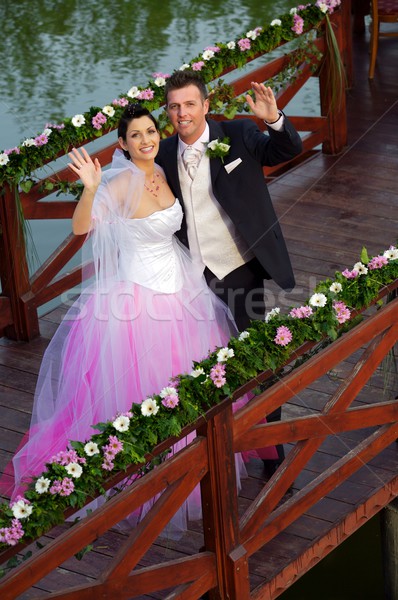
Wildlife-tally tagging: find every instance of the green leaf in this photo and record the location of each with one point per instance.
(364, 256)
(26, 185)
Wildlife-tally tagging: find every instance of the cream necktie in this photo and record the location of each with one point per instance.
(191, 158)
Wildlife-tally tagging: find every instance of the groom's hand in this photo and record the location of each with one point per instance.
(264, 105)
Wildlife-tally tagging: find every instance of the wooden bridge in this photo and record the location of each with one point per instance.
(340, 416)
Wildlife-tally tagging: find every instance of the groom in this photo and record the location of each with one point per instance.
(229, 222)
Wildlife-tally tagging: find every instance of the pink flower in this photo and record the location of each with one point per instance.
(217, 371)
(164, 75)
(197, 66)
(115, 444)
(15, 150)
(65, 457)
(219, 381)
(244, 44)
(120, 102)
(298, 24)
(11, 535)
(349, 274)
(146, 94)
(213, 48)
(107, 465)
(41, 140)
(170, 401)
(54, 126)
(343, 313)
(67, 487)
(283, 336)
(377, 262)
(217, 375)
(302, 312)
(98, 120)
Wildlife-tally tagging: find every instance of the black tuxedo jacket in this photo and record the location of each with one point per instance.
(243, 192)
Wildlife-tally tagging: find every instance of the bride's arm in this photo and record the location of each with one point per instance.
(89, 173)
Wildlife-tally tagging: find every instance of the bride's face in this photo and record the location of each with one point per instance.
(142, 140)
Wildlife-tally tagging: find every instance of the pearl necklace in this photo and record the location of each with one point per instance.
(155, 185)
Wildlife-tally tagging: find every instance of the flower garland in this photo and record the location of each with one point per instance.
(78, 473)
(18, 163)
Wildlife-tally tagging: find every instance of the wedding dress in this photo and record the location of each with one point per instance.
(146, 316)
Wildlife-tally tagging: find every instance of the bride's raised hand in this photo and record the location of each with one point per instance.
(89, 172)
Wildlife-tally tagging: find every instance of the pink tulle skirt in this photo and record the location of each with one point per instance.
(111, 350)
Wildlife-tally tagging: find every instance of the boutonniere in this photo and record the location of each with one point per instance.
(218, 149)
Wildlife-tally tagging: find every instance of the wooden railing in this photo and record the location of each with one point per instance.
(23, 293)
(229, 541)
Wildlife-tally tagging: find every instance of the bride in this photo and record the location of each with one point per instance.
(146, 316)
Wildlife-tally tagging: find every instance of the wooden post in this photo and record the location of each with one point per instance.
(220, 511)
(14, 271)
(336, 115)
(389, 540)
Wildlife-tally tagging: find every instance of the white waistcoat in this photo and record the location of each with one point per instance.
(213, 238)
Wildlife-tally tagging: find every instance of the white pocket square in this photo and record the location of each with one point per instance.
(232, 165)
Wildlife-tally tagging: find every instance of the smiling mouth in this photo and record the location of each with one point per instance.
(184, 122)
(147, 149)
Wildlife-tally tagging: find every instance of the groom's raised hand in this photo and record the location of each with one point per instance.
(264, 104)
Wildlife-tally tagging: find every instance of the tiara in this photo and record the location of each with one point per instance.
(132, 109)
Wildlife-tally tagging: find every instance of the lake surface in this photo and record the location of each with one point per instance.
(61, 57)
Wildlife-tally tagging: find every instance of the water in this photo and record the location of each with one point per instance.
(60, 58)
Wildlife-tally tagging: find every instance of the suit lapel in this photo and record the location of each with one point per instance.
(169, 161)
(215, 163)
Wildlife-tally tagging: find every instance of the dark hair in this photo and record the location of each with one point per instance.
(133, 111)
(181, 79)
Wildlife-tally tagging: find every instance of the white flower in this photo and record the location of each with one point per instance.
(168, 391)
(74, 470)
(336, 287)
(391, 253)
(323, 7)
(149, 407)
(197, 372)
(42, 485)
(21, 509)
(231, 45)
(243, 335)
(108, 110)
(3, 159)
(216, 145)
(207, 54)
(360, 268)
(184, 66)
(29, 142)
(121, 423)
(293, 11)
(47, 132)
(160, 81)
(318, 300)
(276, 23)
(224, 354)
(272, 313)
(133, 92)
(78, 120)
(252, 34)
(91, 448)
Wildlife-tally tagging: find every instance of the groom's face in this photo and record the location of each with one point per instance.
(187, 112)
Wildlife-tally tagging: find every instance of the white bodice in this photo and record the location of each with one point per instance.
(149, 253)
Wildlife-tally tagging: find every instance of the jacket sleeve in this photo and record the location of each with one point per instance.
(273, 147)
